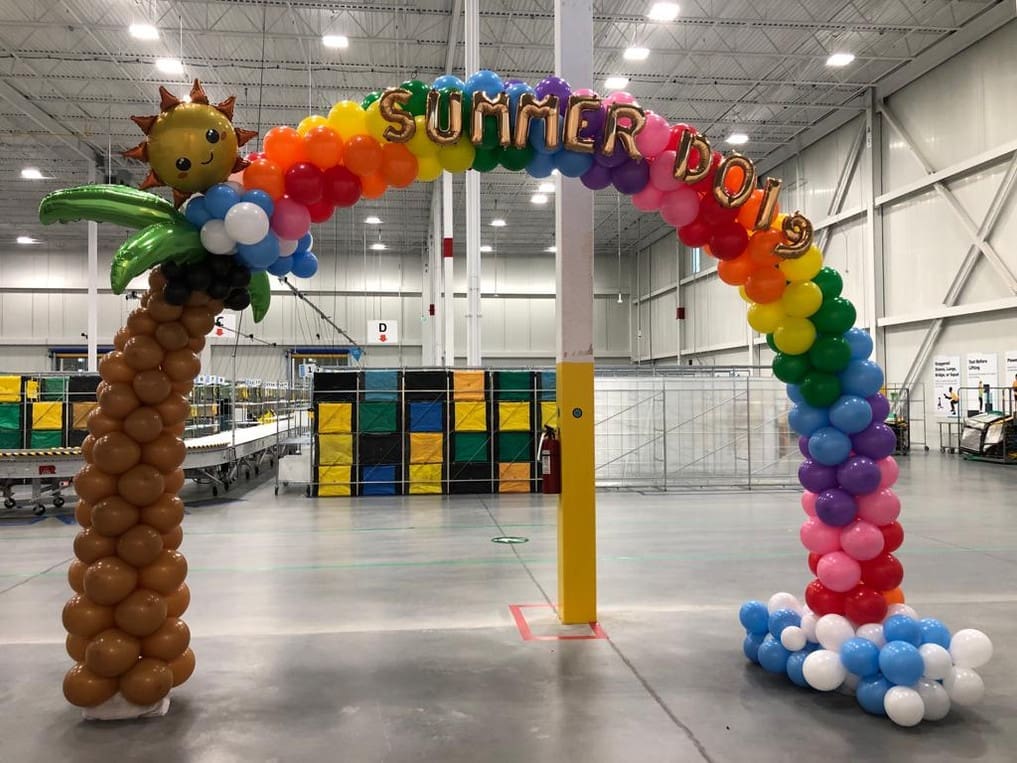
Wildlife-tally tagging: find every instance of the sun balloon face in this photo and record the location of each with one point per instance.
(190, 145)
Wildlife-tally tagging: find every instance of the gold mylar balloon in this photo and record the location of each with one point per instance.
(732, 163)
(530, 109)
(797, 231)
(85, 618)
(117, 400)
(112, 653)
(115, 453)
(143, 353)
(109, 581)
(169, 642)
(140, 614)
(141, 485)
(152, 387)
(76, 646)
(143, 424)
(139, 546)
(166, 513)
(178, 601)
(84, 688)
(453, 131)
(165, 574)
(391, 106)
(172, 336)
(182, 667)
(147, 682)
(90, 546)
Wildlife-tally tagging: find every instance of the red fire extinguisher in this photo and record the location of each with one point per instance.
(550, 462)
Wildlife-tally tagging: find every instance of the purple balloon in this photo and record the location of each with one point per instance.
(815, 477)
(594, 123)
(554, 86)
(859, 475)
(836, 507)
(615, 159)
(596, 177)
(803, 446)
(880, 407)
(632, 177)
(877, 441)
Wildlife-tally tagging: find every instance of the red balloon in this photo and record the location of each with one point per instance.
(305, 183)
(728, 241)
(676, 135)
(342, 187)
(706, 184)
(884, 573)
(255, 156)
(893, 536)
(865, 605)
(695, 234)
(321, 210)
(822, 600)
(814, 562)
(713, 214)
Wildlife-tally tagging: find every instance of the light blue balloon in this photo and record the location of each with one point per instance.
(304, 243)
(870, 694)
(754, 617)
(781, 619)
(862, 378)
(572, 164)
(540, 166)
(773, 656)
(901, 663)
(219, 198)
(851, 414)
(281, 266)
(860, 656)
(829, 446)
(902, 628)
(537, 138)
(516, 91)
(796, 668)
(260, 198)
(484, 81)
(305, 264)
(805, 420)
(260, 255)
(448, 80)
(794, 393)
(860, 343)
(196, 212)
(934, 632)
(750, 646)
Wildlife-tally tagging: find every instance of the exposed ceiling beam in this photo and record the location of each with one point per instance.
(47, 122)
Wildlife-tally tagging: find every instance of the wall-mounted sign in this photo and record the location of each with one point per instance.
(383, 332)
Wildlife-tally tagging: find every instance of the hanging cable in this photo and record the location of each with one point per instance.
(252, 337)
(300, 295)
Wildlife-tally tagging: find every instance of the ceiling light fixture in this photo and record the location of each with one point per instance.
(31, 173)
(335, 41)
(737, 139)
(143, 31)
(636, 54)
(538, 198)
(169, 65)
(552, 249)
(486, 248)
(26, 240)
(378, 247)
(498, 223)
(838, 60)
(373, 220)
(546, 188)
(663, 12)
(616, 83)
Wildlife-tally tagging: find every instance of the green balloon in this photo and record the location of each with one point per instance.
(116, 204)
(489, 137)
(830, 282)
(771, 344)
(486, 159)
(791, 369)
(261, 295)
(820, 389)
(835, 317)
(516, 159)
(370, 98)
(417, 105)
(831, 354)
(153, 245)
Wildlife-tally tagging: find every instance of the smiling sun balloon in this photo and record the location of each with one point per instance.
(190, 145)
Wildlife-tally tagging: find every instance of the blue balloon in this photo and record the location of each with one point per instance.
(572, 164)
(860, 656)
(851, 414)
(781, 619)
(540, 166)
(260, 198)
(484, 81)
(304, 243)
(870, 694)
(902, 628)
(754, 617)
(805, 420)
(860, 343)
(863, 378)
(829, 446)
(305, 264)
(750, 646)
(794, 393)
(448, 80)
(196, 211)
(934, 632)
(795, 668)
(219, 198)
(901, 663)
(538, 138)
(515, 92)
(259, 256)
(773, 656)
(281, 266)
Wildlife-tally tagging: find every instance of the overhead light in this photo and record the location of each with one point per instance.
(486, 248)
(737, 139)
(545, 188)
(616, 83)
(663, 12)
(551, 249)
(498, 223)
(143, 31)
(169, 65)
(538, 198)
(335, 41)
(31, 173)
(840, 59)
(555, 173)
(372, 220)
(26, 240)
(636, 54)
(379, 247)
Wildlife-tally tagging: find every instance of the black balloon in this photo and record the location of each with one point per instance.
(176, 293)
(238, 299)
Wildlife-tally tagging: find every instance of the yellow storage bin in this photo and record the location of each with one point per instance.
(335, 449)
(549, 415)
(79, 414)
(426, 448)
(514, 478)
(514, 417)
(468, 386)
(335, 418)
(334, 481)
(471, 417)
(10, 389)
(425, 479)
(47, 416)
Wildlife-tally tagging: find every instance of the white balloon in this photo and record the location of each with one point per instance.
(792, 638)
(937, 661)
(783, 600)
(808, 626)
(215, 239)
(970, 648)
(901, 609)
(833, 630)
(935, 699)
(873, 632)
(964, 686)
(287, 246)
(246, 223)
(823, 670)
(904, 706)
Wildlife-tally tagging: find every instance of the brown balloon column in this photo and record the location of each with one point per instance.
(123, 623)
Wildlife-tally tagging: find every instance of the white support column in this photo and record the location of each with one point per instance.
(431, 334)
(448, 276)
(93, 287)
(473, 355)
(872, 177)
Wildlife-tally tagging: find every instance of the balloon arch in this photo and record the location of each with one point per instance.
(854, 631)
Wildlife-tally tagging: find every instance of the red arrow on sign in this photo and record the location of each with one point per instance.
(382, 338)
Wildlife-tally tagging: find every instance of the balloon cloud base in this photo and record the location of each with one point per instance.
(119, 709)
(904, 667)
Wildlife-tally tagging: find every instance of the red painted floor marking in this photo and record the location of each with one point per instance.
(527, 633)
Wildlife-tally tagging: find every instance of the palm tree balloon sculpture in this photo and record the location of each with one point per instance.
(123, 622)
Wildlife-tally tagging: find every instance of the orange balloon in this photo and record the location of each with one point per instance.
(156, 280)
(162, 311)
(113, 516)
(734, 179)
(118, 399)
(87, 446)
(181, 365)
(120, 338)
(172, 336)
(143, 424)
(99, 423)
(140, 614)
(323, 146)
(896, 596)
(760, 248)
(174, 409)
(109, 581)
(267, 176)
(90, 546)
(750, 210)
(141, 485)
(85, 618)
(284, 146)
(166, 452)
(83, 512)
(92, 485)
(139, 546)
(142, 352)
(197, 343)
(198, 321)
(182, 667)
(169, 642)
(373, 186)
(147, 682)
(76, 646)
(166, 573)
(177, 602)
(113, 368)
(174, 481)
(112, 653)
(363, 155)
(398, 165)
(141, 322)
(765, 285)
(115, 453)
(76, 575)
(734, 272)
(84, 688)
(165, 514)
(173, 538)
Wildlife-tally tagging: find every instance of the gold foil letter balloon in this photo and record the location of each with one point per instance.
(624, 121)
(575, 122)
(453, 130)
(497, 107)
(530, 109)
(392, 107)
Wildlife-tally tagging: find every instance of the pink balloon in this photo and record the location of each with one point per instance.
(653, 138)
(680, 207)
(585, 92)
(890, 470)
(838, 571)
(620, 96)
(818, 537)
(862, 540)
(879, 508)
(809, 503)
(662, 172)
(290, 219)
(648, 199)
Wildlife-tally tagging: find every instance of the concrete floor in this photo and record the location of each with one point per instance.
(380, 630)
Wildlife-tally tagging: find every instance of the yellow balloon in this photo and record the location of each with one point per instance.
(347, 119)
(309, 123)
(805, 267)
(745, 297)
(458, 157)
(428, 169)
(794, 336)
(376, 124)
(802, 299)
(420, 145)
(764, 318)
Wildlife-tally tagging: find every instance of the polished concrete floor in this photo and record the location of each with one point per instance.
(380, 630)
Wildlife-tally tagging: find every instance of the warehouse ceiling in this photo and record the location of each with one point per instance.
(71, 74)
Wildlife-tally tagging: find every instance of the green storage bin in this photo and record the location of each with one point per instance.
(10, 416)
(470, 447)
(10, 439)
(514, 447)
(45, 439)
(53, 387)
(377, 418)
(513, 385)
